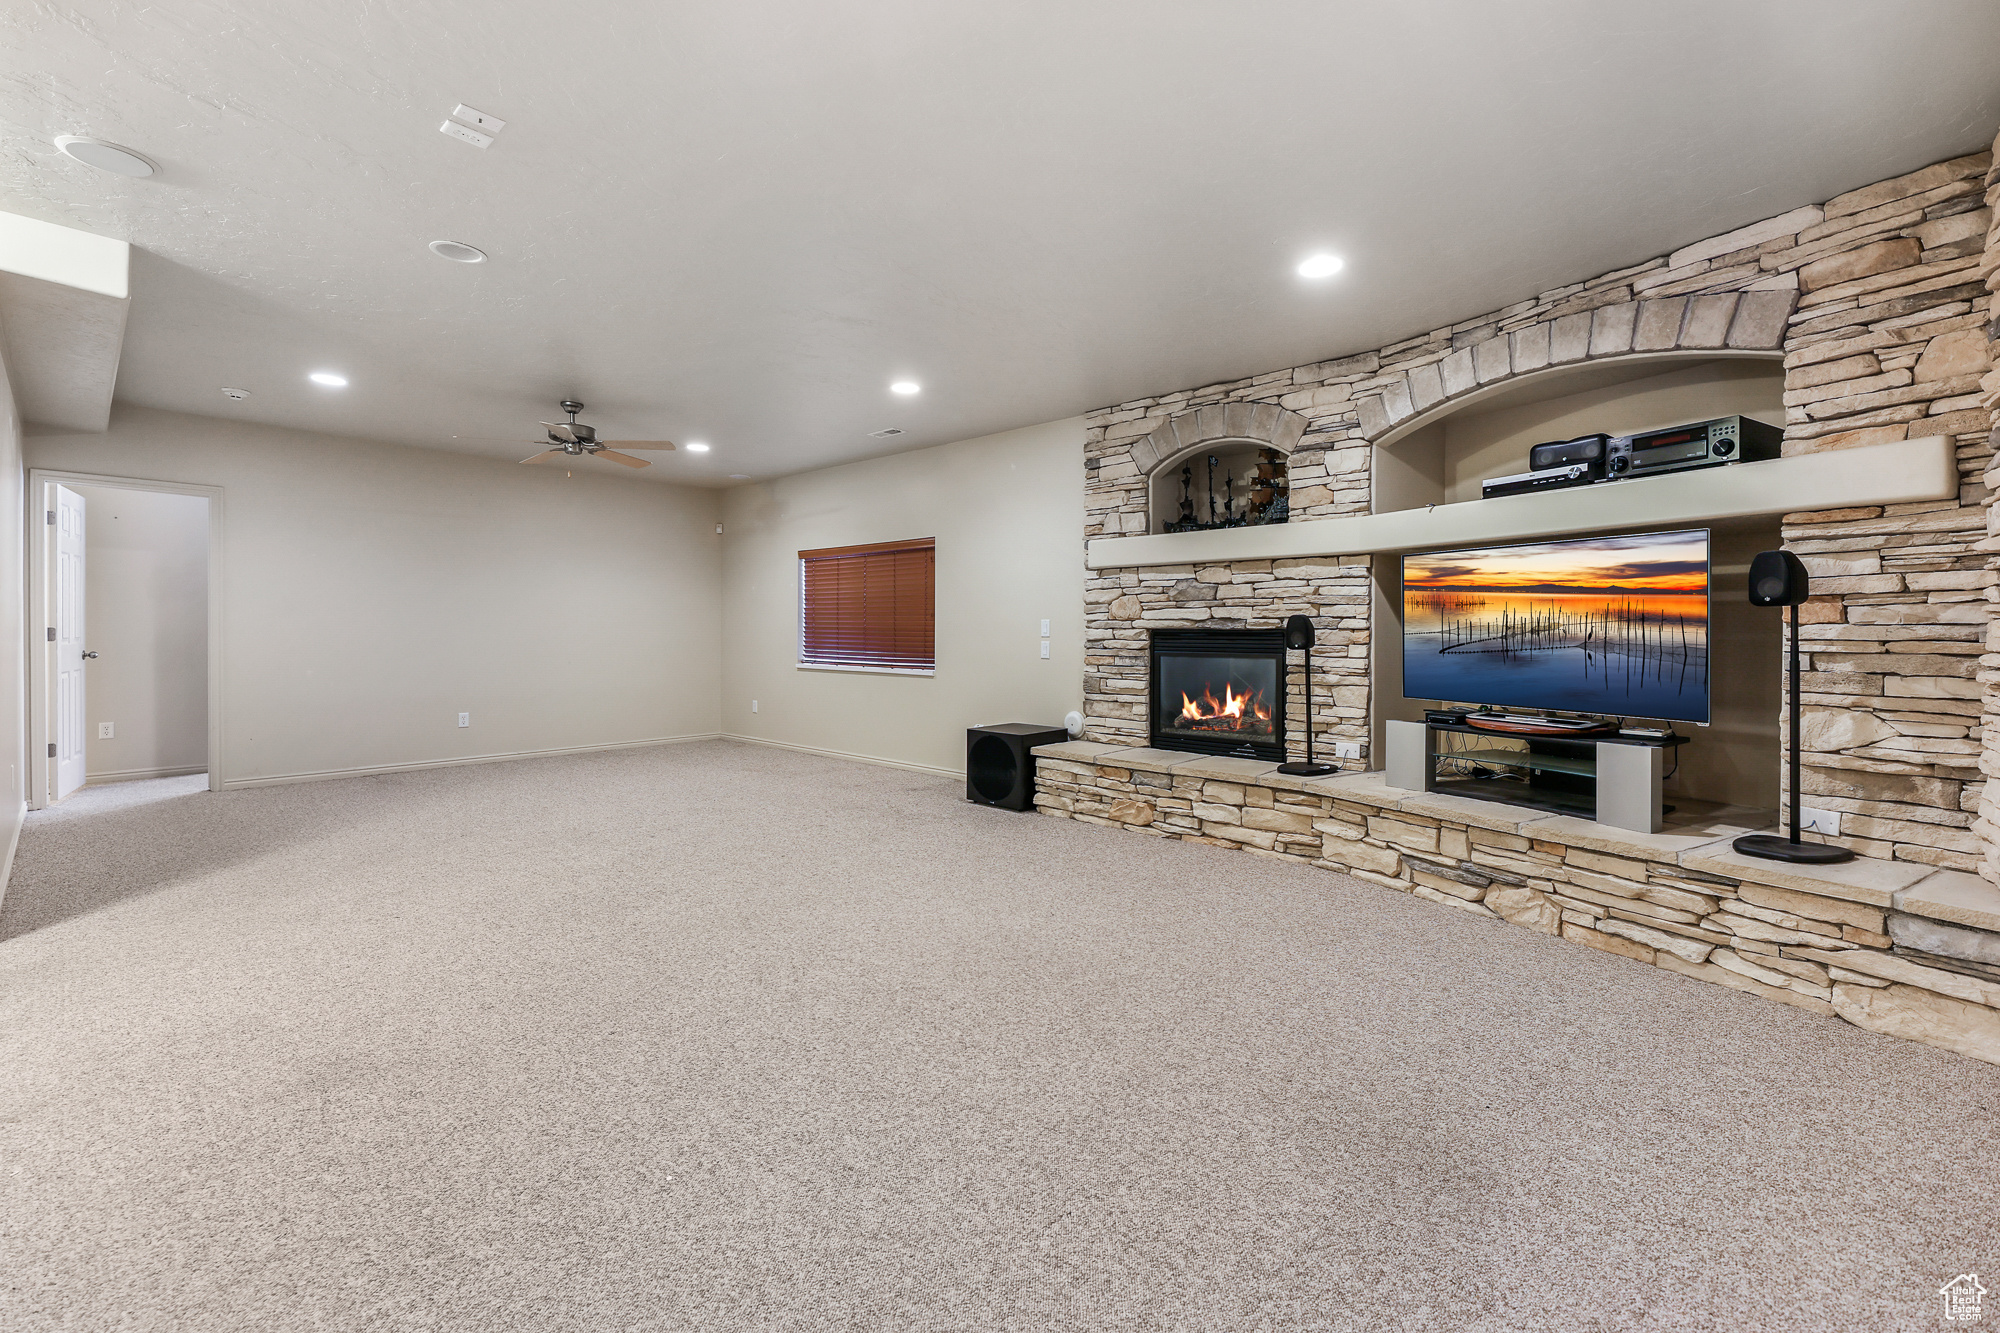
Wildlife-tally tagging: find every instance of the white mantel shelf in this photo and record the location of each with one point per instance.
(1897, 473)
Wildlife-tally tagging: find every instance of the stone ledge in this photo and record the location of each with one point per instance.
(1813, 937)
(1702, 844)
(1862, 880)
(1954, 896)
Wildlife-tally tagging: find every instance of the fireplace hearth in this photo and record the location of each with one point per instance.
(1219, 692)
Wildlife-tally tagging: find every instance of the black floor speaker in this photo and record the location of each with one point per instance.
(1000, 764)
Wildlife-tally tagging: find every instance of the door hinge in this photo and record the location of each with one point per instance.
(52, 518)
(52, 634)
(52, 749)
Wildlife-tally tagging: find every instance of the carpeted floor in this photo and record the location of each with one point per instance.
(716, 1036)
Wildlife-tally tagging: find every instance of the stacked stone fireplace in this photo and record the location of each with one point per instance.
(1877, 305)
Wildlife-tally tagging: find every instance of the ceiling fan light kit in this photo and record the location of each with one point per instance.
(573, 439)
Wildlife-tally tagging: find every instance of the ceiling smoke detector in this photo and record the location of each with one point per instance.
(104, 156)
(885, 434)
(236, 395)
(458, 252)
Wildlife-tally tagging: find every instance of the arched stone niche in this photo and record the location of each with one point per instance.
(1249, 482)
(1715, 323)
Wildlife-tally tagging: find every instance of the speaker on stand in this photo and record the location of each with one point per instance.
(1777, 578)
(1299, 634)
(1000, 762)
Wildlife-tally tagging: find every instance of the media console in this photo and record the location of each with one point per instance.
(1612, 779)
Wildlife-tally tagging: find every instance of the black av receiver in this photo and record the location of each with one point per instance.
(1704, 444)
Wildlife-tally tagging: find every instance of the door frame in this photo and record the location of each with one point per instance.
(41, 680)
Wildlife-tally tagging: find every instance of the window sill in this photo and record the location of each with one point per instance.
(869, 670)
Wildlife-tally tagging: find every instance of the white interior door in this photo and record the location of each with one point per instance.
(69, 645)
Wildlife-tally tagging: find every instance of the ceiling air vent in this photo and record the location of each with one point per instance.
(885, 434)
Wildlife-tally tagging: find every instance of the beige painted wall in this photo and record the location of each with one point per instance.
(146, 617)
(371, 592)
(1006, 511)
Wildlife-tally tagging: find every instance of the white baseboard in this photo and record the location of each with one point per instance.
(957, 773)
(20, 818)
(141, 774)
(231, 784)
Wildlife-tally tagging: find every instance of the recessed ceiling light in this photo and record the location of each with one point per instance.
(104, 156)
(906, 387)
(328, 379)
(1321, 266)
(237, 395)
(695, 447)
(458, 252)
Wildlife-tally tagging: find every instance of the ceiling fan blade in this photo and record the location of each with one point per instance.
(544, 456)
(644, 446)
(621, 458)
(559, 430)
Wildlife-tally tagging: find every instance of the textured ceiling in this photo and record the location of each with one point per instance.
(739, 221)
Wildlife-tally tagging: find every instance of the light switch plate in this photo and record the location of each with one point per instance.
(1045, 629)
(1045, 647)
(479, 120)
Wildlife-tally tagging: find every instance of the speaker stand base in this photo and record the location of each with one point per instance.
(1774, 848)
(1304, 770)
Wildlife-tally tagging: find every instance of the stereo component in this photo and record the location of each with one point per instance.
(1703, 444)
(1576, 474)
(1588, 449)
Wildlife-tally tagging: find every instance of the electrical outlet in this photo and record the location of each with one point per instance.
(1824, 822)
(104, 731)
(1045, 649)
(1347, 749)
(753, 705)
(464, 135)
(465, 719)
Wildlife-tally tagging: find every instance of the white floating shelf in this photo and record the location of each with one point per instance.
(1897, 473)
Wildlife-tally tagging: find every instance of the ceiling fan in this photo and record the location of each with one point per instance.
(573, 439)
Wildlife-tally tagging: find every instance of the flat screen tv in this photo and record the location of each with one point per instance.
(1610, 625)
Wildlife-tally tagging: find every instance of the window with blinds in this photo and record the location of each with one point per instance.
(868, 606)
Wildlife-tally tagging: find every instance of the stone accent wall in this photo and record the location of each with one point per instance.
(1895, 947)
(1877, 304)
(1988, 826)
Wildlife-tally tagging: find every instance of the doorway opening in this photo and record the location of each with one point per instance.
(124, 616)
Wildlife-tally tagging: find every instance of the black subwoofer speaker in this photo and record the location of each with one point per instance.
(1000, 763)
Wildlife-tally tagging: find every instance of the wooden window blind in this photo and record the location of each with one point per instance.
(868, 606)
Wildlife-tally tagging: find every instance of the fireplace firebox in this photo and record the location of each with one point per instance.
(1219, 692)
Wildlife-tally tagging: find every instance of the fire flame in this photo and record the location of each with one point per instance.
(1232, 712)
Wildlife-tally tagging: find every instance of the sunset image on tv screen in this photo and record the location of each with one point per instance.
(1610, 625)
